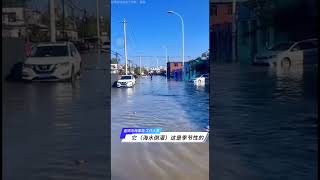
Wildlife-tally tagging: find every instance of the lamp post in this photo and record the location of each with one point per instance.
(182, 26)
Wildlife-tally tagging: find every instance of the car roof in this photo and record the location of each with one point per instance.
(306, 40)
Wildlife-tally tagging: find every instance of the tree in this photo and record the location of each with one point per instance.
(114, 61)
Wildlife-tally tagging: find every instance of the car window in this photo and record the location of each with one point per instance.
(49, 51)
(126, 77)
(281, 46)
(305, 45)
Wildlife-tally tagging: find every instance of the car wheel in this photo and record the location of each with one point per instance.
(286, 63)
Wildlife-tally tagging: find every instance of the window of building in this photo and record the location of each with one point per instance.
(12, 17)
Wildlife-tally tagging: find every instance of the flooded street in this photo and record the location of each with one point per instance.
(264, 123)
(57, 131)
(171, 105)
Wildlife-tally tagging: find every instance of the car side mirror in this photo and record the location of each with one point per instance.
(294, 49)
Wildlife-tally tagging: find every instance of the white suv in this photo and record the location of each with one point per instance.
(52, 62)
(126, 81)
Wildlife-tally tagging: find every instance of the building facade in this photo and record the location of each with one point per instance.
(13, 22)
(174, 69)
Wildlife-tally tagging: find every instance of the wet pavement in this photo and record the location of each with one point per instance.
(264, 123)
(53, 130)
(171, 105)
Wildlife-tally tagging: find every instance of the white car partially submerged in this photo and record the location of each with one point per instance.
(201, 79)
(286, 54)
(126, 81)
(52, 62)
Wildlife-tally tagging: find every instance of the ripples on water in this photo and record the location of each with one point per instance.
(171, 105)
(47, 127)
(264, 123)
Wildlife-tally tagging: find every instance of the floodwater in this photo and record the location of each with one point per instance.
(172, 106)
(53, 130)
(264, 123)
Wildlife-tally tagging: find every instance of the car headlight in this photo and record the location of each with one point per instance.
(66, 64)
(28, 66)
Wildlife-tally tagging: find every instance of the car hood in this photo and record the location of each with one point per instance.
(268, 53)
(46, 60)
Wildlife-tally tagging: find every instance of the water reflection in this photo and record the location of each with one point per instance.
(265, 122)
(50, 122)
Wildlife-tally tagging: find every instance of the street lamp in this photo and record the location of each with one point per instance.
(182, 26)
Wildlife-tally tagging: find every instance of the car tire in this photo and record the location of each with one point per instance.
(286, 63)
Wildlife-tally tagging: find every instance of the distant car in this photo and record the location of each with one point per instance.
(126, 81)
(200, 79)
(286, 54)
(52, 62)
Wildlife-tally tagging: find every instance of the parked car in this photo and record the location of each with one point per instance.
(286, 54)
(52, 62)
(126, 81)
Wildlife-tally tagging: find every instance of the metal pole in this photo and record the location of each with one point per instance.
(182, 27)
(234, 30)
(182, 23)
(125, 44)
(63, 17)
(167, 54)
(98, 31)
(140, 65)
(52, 22)
(157, 63)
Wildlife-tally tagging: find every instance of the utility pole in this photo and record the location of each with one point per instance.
(157, 63)
(98, 31)
(116, 57)
(140, 66)
(125, 43)
(52, 22)
(167, 54)
(234, 30)
(63, 17)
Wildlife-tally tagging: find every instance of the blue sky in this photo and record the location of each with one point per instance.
(149, 27)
